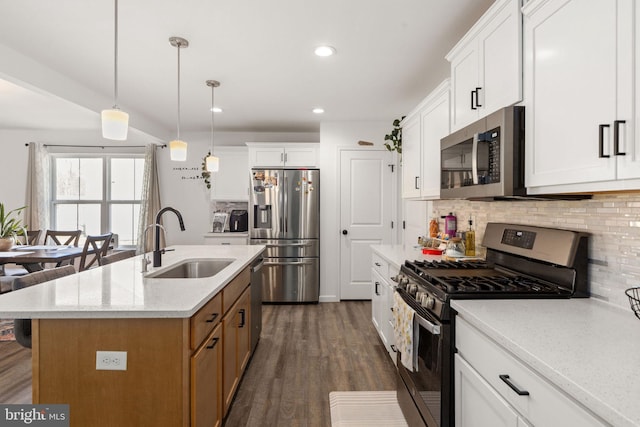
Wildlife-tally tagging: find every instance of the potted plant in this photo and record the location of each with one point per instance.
(395, 137)
(206, 175)
(10, 227)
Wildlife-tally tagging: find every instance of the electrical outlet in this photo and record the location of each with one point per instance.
(111, 360)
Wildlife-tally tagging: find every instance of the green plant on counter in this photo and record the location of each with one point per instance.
(10, 225)
(395, 137)
(206, 175)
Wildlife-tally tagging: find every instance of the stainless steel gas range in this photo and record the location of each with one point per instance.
(522, 262)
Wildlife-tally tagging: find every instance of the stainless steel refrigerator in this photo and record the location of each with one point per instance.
(285, 216)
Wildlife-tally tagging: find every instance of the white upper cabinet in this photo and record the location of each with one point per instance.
(282, 155)
(486, 65)
(422, 130)
(411, 157)
(579, 95)
(231, 182)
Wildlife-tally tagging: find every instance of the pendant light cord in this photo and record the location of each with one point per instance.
(115, 62)
(178, 46)
(212, 114)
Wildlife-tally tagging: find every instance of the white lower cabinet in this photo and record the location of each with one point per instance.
(477, 403)
(382, 302)
(226, 239)
(493, 388)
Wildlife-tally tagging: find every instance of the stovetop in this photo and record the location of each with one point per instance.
(455, 278)
(522, 262)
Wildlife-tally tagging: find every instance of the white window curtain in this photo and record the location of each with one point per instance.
(38, 196)
(150, 203)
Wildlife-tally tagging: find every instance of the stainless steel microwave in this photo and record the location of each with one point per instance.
(485, 160)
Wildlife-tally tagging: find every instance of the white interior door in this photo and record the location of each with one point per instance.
(365, 216)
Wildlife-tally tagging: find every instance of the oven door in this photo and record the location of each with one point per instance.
(429, 387)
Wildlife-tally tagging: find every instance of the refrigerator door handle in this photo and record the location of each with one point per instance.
(284, 245)
(270, 263)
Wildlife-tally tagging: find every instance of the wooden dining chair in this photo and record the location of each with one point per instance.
(117, 256)
(95, 248)
(72, 237)
(22, 327)
(33, 236)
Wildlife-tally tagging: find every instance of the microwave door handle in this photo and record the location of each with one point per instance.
(474, 160)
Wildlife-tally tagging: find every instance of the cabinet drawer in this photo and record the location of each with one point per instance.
(380, 265)
(233, 290)
(545, 405)
(203, 322)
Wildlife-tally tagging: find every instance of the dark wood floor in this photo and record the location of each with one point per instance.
(15, 373)
(305, 352)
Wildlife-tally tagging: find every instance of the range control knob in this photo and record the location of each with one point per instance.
(429, 302)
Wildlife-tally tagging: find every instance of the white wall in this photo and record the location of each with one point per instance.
(189, 196)
(333, 136)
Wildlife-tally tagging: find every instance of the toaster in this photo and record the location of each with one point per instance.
(239, 221)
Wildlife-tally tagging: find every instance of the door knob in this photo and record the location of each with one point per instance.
(345, 232)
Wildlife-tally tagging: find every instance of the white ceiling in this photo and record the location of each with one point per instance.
(58, 61)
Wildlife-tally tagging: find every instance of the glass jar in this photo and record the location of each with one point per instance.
(455, 248)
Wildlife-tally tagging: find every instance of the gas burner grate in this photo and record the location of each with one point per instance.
(497, 284)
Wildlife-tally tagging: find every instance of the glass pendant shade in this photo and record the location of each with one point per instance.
(213, 163)
(115, 124)
(178, 150)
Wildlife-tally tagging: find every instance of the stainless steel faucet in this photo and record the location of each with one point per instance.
(157, 253)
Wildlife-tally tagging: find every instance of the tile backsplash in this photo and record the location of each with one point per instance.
(612, 219)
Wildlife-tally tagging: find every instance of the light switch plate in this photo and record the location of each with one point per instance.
(111, 360)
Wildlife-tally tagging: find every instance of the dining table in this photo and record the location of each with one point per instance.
(33, 257)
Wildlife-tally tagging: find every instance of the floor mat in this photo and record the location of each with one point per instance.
(365, 409)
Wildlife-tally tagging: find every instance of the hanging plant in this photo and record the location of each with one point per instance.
(206, 175)
(395, 137)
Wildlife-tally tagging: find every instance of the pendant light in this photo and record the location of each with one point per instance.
(177, 147)
(213, 163)
(115, 122)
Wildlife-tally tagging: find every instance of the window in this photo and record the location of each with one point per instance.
(97, 194)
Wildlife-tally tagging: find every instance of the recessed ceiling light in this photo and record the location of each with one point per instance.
(216, 109)
(325, 51)
(318, 110)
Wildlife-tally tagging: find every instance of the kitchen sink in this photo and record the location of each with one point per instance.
(193, 269)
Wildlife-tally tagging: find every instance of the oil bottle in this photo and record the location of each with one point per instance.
(470, 240)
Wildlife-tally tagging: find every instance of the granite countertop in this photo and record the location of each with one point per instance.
(120, 290)
(587, 348)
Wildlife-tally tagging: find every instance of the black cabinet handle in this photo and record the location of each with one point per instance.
(213, 343)
(393, 347)
(505, 379)
(243, 319)
(376, 290)
(473, 104)
(377, 264)
(616, 138)
(213, 317)
(416, 183)
(601, 141)
(345, 232)
(478, 97)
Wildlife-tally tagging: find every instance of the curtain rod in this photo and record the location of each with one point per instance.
(97, 146)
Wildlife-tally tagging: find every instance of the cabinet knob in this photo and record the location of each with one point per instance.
(345, 232)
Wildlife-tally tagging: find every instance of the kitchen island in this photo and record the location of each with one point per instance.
(186, 340)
